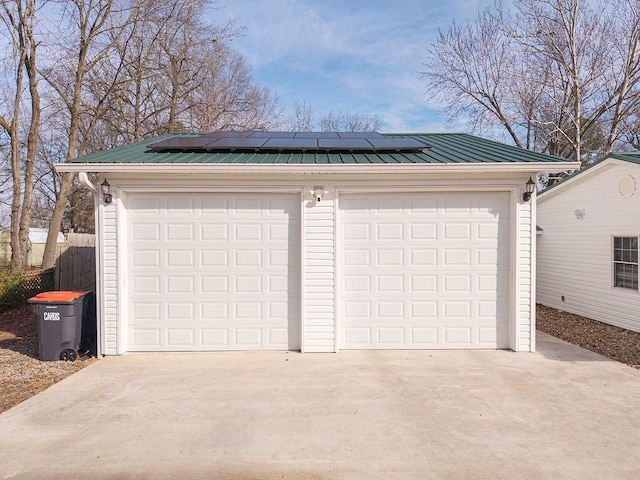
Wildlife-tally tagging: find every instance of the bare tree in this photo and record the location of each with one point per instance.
(19, 18)
(180, 75)
(302, 120)
(469, 69)
(625, 99)
(228, 99)
(349, 122)
(554, 75)
(91, 24)
(115, 71)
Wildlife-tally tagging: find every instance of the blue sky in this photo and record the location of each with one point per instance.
(348, 55)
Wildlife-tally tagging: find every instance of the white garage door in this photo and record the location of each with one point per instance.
(424, 270)
(213, 271)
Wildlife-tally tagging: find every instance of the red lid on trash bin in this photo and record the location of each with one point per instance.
(60, 296)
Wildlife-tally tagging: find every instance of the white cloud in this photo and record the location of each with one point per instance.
(362, 55)
(279, 28)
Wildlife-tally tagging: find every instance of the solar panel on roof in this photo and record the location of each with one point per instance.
(273, 134)
(360, 135)
(346, 144)
(248, 143)
(291, 144)
(290, 141)
(316, 135)
(183, 143)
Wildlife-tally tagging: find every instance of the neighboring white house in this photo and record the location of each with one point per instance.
(37, 241)
(588, 249)
(314, 242)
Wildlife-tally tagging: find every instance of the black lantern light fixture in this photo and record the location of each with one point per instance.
(105, 188)
(531, 186)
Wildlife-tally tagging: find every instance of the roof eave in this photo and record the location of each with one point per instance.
(579, 177)
(306, 169)
(631, 157)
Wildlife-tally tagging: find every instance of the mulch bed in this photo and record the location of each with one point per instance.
(613, 342)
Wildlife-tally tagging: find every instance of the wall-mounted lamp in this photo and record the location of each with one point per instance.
(105, 188)
(531, 186)
(318, 193)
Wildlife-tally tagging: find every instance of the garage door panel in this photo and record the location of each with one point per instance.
(457, 336)
(212, 232)
(419, 257)
(456, 310)
(179, 258)
(147, 338)
(146, 231)
(178, 284)
(146, 284)
(388, 231)
(456, 257)
(215, 338)
(424, 337)
(248, 284)
(420, 204)
(214, 258)
(180, 337)
(143, 257)
(423, 310)
(218, 276)
(214, 311)
(179, 232)
(434, 274)
(457, 231)
(390, 257)
(180, 311)
(180, 204)
(423, 231)
(148, 204)
(248, 232)
(387, 283)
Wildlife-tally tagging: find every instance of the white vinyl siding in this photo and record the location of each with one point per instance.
(319, 272)
(109, 279)
(525, 340)
(575, 250)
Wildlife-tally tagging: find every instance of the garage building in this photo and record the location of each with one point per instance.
(314, 242)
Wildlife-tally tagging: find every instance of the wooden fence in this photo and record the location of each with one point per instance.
(76, 264)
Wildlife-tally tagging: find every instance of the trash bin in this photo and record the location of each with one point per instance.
(89, 338)
(59, 323)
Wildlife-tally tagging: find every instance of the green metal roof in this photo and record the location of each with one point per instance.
(633, 157)
(445, 148)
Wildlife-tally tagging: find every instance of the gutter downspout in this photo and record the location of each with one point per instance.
(97, 215)
(84, 180)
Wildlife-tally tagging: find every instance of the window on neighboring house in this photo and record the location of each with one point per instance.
(625, 262)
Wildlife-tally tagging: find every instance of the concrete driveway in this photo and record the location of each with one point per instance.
(560, 413)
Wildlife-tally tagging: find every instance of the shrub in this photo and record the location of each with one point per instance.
(17, 286)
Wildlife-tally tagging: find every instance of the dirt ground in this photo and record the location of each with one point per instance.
(22, 374)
